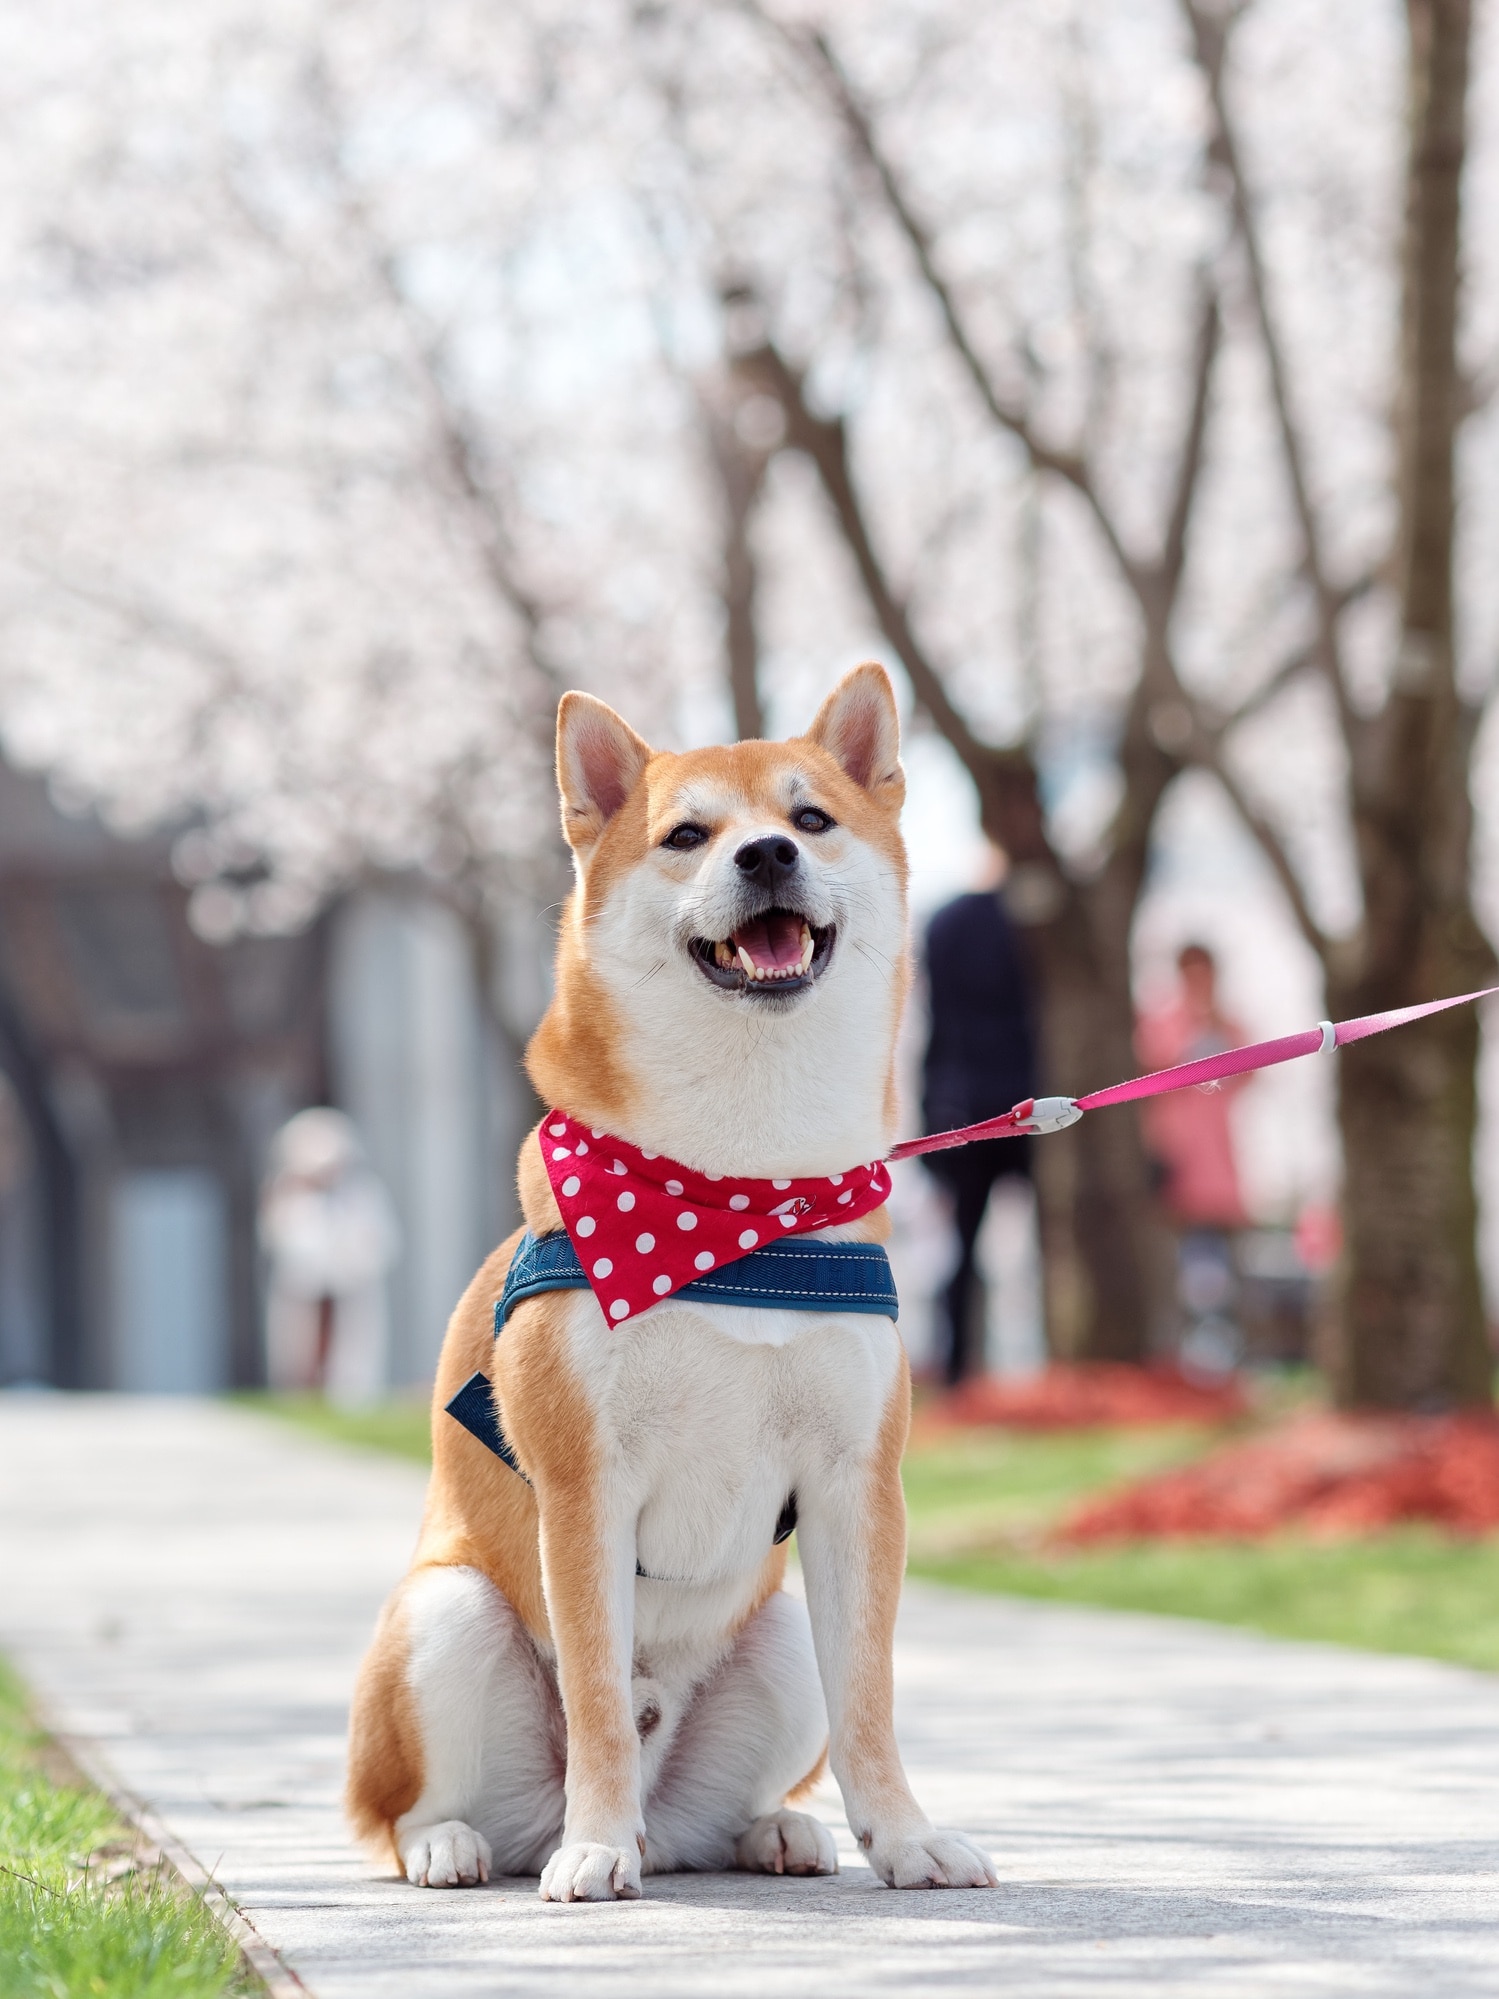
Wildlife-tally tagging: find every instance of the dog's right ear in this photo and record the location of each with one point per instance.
(599, 762)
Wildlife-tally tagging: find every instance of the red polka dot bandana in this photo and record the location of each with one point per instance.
(644, 1226)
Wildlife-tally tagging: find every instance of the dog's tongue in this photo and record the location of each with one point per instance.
(773, 941)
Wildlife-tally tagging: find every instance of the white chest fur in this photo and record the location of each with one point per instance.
(710, 1417)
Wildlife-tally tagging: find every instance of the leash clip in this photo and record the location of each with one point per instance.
(1042, 1114)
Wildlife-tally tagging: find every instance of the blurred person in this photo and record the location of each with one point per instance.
(330, 1234)
(980, 1061)
(1189, 1137)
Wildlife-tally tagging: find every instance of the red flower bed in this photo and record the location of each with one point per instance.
(1329, 1475)
(1087, 1397)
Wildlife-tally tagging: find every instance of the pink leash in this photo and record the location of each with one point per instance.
(1038, 1114)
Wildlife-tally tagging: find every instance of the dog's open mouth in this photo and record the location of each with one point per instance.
(776, 952)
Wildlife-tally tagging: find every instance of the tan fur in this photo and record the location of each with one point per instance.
(550, 1548)
(800, 1792)
(869, 1753)
(385, 1752)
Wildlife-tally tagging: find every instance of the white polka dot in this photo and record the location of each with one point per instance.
(562, 1152)
(645, 1244)
(618, 1309)
(661, 1286)
(557, 1130)
(571, 1184)
(835, 1179)
(625, 1202)
(782, 1184)
(845, 1197)
(618, 1166)
(739, 1200)
(582, 1147)
(595, 1134)
(704, 1261)
(603, 1268)
(687, 1219)
(650, 1155)
(788, 1221)
(673, 1186)
(748, 1239)
(585, 1225)
(713, 1176)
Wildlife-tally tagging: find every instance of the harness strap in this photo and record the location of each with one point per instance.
(798, 1275)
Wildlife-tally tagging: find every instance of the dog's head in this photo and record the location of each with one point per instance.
(733, 960)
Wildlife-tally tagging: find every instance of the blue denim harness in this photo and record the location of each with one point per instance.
(798, 1275)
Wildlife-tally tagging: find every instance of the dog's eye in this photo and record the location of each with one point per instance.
(811, 819)
(683, 837)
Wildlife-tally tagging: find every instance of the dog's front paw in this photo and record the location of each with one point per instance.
(932, 1859)
(590, 1873)
(450, 1855)
(786, 1842)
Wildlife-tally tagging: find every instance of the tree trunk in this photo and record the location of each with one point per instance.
(741, 475)
(1412, 1308)
(1097, 1221)
(1099, 1234)
(1412, 1328)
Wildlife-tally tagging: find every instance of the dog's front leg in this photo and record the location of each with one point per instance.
(588, 1569)
(852, 1539)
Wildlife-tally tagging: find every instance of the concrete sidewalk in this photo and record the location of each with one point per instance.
(1173, 1808)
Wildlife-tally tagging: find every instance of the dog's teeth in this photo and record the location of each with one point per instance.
(725, 956)
(807, 947)
(748, 963)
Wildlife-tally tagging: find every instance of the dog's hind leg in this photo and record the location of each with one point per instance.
(481, 1710)
(753, 1731)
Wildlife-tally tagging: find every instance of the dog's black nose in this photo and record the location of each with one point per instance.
(768, 862)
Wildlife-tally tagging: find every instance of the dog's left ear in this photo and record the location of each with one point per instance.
(859, 727)
(600, 760)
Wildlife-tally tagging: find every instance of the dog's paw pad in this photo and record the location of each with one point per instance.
(591, 1873)
(449, 1855)
(934, 1860)
(787, 1842)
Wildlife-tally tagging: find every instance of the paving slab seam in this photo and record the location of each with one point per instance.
(277, 1977)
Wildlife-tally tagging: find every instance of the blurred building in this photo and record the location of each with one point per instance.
(144, 1073)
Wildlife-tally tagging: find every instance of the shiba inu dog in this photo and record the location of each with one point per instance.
(592, 1671)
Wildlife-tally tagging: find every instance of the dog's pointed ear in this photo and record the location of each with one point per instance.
(858, 725)
(599, 763)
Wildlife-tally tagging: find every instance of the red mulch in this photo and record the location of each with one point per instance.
(1329, 1475)
(1087, 1397)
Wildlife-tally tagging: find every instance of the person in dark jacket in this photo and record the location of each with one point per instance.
(980, 1061)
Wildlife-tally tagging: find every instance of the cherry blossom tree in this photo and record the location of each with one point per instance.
(1088, 331)
(338, 439)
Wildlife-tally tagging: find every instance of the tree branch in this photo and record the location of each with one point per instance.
(1299, 661)
(1209, 40)
(1205, 753)
(1174, 546)
(993, 769)
(1070, 466)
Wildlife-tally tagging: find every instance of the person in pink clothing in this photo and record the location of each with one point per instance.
(1191, 1146)
(1187, 1133)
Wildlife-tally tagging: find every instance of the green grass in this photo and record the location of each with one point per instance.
(1410, 1591)
(78, 1918)
(974, 1485)
(980, 1500)
(401, 1426)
